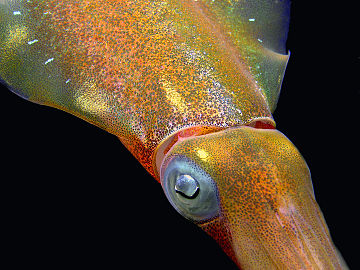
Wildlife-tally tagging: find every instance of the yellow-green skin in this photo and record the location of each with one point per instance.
(146, 70)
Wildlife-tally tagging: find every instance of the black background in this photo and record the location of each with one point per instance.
(74, 196)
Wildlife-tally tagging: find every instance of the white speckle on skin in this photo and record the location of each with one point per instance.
(48, 61)
(32, 41)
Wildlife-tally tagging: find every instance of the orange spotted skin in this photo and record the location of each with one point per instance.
(269, 218)
(141, 70)
(176, 77)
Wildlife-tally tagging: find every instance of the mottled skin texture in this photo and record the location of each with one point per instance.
(141, 70)
(269, 218)
(146, 70)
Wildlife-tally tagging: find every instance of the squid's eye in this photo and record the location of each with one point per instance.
(190, 190)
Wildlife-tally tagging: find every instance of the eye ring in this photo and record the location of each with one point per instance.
(189, 189)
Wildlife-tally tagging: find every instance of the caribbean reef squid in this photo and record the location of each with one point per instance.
(189, 87)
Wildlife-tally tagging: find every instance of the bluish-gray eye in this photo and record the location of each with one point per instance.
(190, 190)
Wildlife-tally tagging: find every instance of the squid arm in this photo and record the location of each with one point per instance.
(189, 89)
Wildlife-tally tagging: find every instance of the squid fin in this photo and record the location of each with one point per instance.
(258, 28)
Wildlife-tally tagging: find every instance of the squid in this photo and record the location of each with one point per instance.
(189, 88)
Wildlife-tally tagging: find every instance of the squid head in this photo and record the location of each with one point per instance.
(251, 190)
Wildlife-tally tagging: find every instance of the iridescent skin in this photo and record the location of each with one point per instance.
(148, 70)
(141, 70)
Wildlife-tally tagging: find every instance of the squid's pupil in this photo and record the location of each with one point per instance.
(187, 186)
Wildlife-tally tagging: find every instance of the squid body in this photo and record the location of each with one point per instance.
(189, 87)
